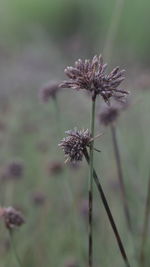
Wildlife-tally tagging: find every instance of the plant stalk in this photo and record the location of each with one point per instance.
(145, 227)
(108, 211)
(90, 254)
(120, 177)
(18, 260)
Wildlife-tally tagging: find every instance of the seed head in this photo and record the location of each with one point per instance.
(91, 76)
(48, 91)
(74, 144)
(12, 218)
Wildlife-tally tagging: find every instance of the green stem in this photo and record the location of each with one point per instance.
(145, 227)
(108, 211)
(14, 249)
(120, 177)
(91, 186)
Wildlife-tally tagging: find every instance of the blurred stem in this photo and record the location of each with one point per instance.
(145, 227)
(91, 185)
(108, 211)
(14, 248)
(120, 177)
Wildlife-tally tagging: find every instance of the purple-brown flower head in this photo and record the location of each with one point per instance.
(12, 217)
(48, 91)
(109, 114)
(15, 169)
(74, 144)
(92, 76)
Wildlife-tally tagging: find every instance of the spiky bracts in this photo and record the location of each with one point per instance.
(92, 76)
(74, 144)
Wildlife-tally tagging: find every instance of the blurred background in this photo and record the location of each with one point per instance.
(38, 39)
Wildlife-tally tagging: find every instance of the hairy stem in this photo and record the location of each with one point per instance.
(145, 227)
(120, 177)
(108, 211)
(90, 259)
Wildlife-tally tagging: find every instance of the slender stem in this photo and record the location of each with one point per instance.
(14, 249)
(91, 186)
(108, 211)
(145, 227)
(120, 177)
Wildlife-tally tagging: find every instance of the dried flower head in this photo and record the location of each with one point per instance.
(48, 91)
(12, 217)
(109, 114)
(91, 75)
(75, 143)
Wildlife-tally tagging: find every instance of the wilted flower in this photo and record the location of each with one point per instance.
(48, 91)
(75, 143)
(109, 114)
(91, 75)
(12, 217)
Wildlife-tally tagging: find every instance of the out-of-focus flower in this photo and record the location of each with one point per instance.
(55, 167)
(15, 169)
(12, 217)
(109, 114)
(74, 144)
(48, 91)
(38, 198)
(91, 75)
(71, 263)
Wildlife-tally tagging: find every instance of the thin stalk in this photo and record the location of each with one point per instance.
(90, 259)
(108, 211)
(145, 227)
(120, 177)
(18, 260)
